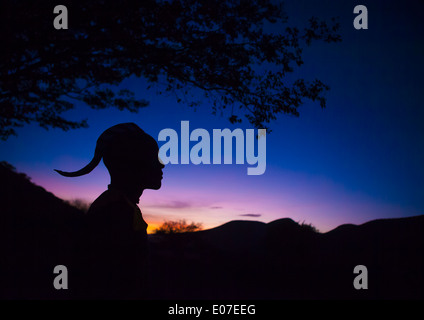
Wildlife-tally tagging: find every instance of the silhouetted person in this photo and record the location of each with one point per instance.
(115, 241)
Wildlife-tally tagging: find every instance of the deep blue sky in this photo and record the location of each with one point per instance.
(359, 159)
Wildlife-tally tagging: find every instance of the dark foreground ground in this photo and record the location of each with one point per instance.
(238, 260)
(283, 260)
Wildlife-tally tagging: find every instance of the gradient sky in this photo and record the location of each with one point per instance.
(359, 159)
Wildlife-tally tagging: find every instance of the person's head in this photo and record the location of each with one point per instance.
(131, 157)
(133, 162)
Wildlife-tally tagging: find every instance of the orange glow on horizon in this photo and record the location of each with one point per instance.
(153, 225)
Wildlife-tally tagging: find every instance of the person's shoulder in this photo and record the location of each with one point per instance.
(109, 204)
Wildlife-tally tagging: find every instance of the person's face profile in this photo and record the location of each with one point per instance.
(149, 166)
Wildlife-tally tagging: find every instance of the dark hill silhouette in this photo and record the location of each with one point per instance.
(38, 232)
(235, 236)
(285, 260)
(237, 260)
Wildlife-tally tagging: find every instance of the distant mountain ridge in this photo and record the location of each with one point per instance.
(237, 260)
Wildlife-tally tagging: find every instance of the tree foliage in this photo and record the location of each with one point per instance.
(170, 227)
(224, 49)
(309, 226)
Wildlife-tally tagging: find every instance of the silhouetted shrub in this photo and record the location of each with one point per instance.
(179, 226)
(309, 226)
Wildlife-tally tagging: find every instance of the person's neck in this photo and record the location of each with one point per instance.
(132, 193)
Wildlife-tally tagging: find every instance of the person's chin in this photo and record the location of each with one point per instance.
(156, 186)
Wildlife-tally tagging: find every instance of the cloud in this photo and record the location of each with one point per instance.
(172, 205)
(254, 215)
(216, 207)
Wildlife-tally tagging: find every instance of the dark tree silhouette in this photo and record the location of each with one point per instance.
(170, 227)
(223, 49)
